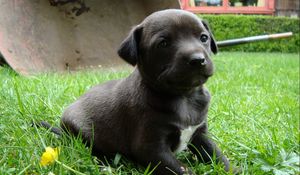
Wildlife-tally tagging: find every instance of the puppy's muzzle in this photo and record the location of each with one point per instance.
(197, 59)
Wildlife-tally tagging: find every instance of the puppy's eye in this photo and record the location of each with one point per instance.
(203, 38)
(162, 44)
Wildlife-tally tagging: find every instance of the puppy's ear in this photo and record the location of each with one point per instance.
(213, 44)
(129, 48)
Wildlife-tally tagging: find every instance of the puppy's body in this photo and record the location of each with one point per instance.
(129, 110)
(162, 105)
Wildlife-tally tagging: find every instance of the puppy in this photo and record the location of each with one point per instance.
(161, 108)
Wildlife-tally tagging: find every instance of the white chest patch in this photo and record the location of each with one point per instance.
(185, 137)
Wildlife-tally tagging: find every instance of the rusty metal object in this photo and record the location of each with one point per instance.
(49, 35)
(250, 39)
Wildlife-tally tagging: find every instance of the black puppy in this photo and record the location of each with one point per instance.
(162, 106)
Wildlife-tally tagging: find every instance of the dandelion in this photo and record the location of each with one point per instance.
(49, 156)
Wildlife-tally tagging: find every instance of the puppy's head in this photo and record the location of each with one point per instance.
(171, 49)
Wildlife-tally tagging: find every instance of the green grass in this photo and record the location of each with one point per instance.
(254, 118)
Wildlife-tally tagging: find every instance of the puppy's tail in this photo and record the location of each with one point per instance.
(55, 130)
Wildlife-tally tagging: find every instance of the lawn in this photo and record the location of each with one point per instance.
(254, 118)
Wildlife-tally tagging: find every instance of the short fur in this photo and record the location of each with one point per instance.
(142, 116)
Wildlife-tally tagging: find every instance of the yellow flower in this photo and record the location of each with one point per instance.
(49, 156)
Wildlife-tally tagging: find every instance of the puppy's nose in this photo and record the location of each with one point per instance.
(197, 59)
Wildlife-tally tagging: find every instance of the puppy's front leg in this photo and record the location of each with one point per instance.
(164, 159)
(205, 149)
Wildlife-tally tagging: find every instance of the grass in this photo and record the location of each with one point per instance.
(254, 118)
